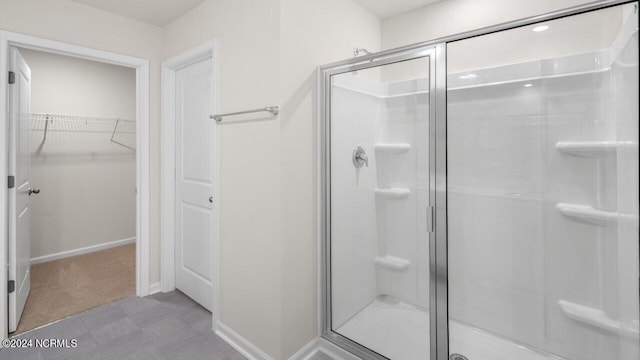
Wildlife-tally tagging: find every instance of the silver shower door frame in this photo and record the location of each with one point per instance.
(435, 54)
(435, 50)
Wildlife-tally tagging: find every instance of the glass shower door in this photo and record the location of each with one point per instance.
(378, 197)
(542, 183)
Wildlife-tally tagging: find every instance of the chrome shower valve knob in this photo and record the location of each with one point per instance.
(360, 157)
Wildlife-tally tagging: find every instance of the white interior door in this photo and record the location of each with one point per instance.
(19, 211)
(195, 198)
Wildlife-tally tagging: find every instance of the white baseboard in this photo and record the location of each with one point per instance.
(308, 351)
(154, 288)
(320, 345)
(84, 250)
(244, 346)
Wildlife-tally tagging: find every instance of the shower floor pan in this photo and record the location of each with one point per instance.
(399, 331)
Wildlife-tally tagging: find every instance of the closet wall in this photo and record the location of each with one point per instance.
(87, 182)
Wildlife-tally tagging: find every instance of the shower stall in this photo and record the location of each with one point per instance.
(480, 193)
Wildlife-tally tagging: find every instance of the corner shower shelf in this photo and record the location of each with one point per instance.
(392, 262)
(598, 318)
(590, 214)
(393, 193)
(592, 148)
(392, 148)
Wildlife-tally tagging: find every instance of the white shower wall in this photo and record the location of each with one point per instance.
(521, 267)
(518, 266)
(370, 226)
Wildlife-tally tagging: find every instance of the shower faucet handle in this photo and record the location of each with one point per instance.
(359, 157)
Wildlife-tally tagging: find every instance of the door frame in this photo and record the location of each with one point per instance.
(205, 51)
(437, 289)
(10, 39)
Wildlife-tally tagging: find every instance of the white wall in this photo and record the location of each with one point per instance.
(313, 32)
(269, 52)
(87, 183)
(250, 245)
(70, 22)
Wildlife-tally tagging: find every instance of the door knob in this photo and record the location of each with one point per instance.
(34, 191)
(211, 199)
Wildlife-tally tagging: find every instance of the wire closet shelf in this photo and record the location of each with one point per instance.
(49, 124)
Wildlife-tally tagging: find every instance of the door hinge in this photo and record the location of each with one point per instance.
(11, 286)
(11, 181)
(12, 77)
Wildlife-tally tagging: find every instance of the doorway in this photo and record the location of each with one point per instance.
(10, 41)
(190, 176)
(79, 209)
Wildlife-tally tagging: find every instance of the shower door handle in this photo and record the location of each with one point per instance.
(431, 219)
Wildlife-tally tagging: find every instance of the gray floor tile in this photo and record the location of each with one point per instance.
(152, 315)
(101, 315)
(126, 346)
(69, 328)
(235, 356)
(109, 332)
(22, 354)
(169, 332)
(134, 304)
(195, 348)
(197, 316)
(222, 346)
(86, 349)
(162, 326)
(145, 353)
(175, 299)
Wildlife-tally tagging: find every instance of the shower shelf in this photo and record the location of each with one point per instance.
(593, 148)
(598, 318)
(590, 214)
(392, 148)
(392, 262)
(393, 193)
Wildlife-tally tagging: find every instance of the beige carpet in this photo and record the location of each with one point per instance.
(70, 286)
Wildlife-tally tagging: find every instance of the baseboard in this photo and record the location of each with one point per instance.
(84, 250)
(308, 351)
(154, 288)
(321, 349)
(316, 349)
(244, 346)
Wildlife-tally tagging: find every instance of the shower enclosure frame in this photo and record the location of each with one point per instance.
(435, 50)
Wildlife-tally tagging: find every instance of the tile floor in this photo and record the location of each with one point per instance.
(160, 326)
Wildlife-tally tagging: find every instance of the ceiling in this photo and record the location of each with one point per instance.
(163, 12)
(154, 12)
(386, 8)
